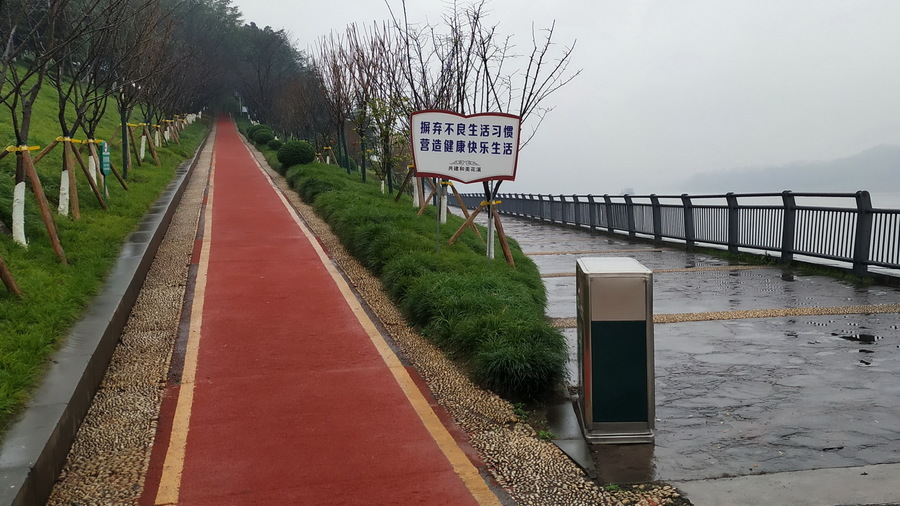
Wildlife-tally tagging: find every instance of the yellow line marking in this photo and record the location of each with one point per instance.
(173, 466)
(563, 323)
(458, 460)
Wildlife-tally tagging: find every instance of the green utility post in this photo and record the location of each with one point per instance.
(104, 164)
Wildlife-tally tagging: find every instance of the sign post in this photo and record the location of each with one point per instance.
(469, 149)
(104, 165)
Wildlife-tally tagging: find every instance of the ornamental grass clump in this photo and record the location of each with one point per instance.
(485, 314)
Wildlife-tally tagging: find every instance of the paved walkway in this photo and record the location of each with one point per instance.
(785, 381)
(288, 393)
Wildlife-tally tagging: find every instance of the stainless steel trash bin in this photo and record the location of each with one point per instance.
(615, 350)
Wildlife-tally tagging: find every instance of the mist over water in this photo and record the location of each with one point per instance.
(886, 200)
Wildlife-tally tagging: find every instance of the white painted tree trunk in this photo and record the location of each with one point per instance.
(416, 197)
(92, 168)
(382, 187)
(156, 135)
(168, 135)
(143, 147)
(18, 214)
(64, 194)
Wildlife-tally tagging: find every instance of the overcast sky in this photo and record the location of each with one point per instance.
(673, 88)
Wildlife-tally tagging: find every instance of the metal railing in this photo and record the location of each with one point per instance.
(842, 227)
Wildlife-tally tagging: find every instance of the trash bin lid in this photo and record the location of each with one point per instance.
(612, 265)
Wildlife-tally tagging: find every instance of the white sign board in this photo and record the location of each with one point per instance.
(465, 148)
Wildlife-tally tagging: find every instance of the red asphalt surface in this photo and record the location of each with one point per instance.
(292, 403)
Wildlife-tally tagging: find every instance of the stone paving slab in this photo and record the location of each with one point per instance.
(860, 486)
(767, 395)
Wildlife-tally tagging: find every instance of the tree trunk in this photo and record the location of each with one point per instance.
(8, 280)
(44, 206)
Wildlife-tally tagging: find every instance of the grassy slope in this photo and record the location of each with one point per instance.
(55, 295)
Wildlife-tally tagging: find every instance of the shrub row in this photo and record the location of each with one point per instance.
(295, 153)
(486, 314)
(260, 134)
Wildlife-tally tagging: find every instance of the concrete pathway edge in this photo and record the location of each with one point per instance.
(35, 447)
(875, 484)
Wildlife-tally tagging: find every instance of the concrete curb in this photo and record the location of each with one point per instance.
(35, 448)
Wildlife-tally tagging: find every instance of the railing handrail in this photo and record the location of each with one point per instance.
(701, 196)
(859, 234)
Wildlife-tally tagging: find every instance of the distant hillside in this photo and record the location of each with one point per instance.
(875, 169)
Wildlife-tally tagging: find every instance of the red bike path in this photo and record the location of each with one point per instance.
(288, 394)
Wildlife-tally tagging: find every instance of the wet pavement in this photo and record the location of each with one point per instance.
(744, 396)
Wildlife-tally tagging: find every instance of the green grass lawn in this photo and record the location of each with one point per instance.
(55, 295)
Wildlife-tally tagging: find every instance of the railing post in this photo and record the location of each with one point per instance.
(577, 210)
(863, 233)
(629, 211)
(609, 219)
(734, 222)
(592, 209)
(562, 209)
(551, 208)
(789, 228)
(689, 234)
(657, 218)
(540, 214)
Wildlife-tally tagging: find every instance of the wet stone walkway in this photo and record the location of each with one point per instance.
(813, 386)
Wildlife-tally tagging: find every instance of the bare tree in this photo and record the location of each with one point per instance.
(470, 68)
(301, 110)
(80, 79)
(389, 106)
(36, 33)
(337, 84)
(363, 57)
(269, 62)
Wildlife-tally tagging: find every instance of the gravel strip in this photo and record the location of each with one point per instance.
(714, 268)
(667, 271)
(111, 452)
(564, 323)
(776, 313)
(595, 252)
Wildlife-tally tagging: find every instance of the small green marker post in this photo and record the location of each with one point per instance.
(104, 164)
